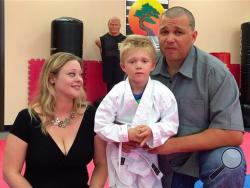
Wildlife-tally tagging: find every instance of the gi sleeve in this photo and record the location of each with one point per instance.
(105, 125)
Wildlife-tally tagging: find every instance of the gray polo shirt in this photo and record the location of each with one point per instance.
(207, 96)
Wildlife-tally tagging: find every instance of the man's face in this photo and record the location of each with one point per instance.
(114, 27)
(176, 38)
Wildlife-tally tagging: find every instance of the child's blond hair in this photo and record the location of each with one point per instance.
(136, 41)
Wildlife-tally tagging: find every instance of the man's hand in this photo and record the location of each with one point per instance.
(128, 146)
(167, 148)
(158, 150)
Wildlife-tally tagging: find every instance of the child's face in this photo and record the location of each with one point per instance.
(137, 64)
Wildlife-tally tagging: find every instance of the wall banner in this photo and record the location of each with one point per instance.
(142, 17)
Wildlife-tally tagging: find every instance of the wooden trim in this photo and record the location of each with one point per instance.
(1, 65)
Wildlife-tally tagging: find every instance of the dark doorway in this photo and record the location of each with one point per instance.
(1, 65)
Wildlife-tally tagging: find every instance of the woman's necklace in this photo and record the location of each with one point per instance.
(63, 123)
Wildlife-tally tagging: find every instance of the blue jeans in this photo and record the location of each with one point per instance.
(211, 173)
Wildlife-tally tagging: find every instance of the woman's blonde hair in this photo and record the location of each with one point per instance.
(44, 103)
(136, 41)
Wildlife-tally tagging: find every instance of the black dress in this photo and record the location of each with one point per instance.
(46, 165)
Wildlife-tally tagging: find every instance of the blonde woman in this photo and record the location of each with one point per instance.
(55, 135)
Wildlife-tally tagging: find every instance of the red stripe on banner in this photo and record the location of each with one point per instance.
(94, 86)
(34, 69)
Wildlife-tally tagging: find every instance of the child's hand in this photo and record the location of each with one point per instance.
(134, 134)
(145, 133)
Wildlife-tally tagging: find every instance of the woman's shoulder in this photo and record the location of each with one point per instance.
(22, 125)
(88, 117)
(89, 112)
(24, 113)
(90, 108)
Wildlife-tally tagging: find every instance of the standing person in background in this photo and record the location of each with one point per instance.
(209, 110)
(108, 45)
(55, 135)
(139, 110)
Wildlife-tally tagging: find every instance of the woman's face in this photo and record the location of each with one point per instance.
(68, 82)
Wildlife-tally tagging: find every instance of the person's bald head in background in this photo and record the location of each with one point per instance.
(114, 26)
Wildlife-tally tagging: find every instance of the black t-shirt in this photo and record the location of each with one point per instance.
(112, 72)
(46, 165)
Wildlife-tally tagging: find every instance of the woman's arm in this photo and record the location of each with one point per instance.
(100, 172)
(14, 156)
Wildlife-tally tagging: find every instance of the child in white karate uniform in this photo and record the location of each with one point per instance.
(139, 112)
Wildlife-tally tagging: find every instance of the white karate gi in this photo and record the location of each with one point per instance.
(117, 112)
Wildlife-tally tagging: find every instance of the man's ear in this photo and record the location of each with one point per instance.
(194, 36)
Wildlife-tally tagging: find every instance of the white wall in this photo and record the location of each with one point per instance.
(28, 26)
(27, 35)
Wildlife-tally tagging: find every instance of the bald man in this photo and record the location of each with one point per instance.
(108, 45)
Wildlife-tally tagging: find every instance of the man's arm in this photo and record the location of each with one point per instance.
(98, 43)
(206, 140)
(225, 128)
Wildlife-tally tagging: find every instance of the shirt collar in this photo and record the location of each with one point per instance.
(161, 67)
(187, 67)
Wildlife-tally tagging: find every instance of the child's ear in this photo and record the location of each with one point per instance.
(122, 67)
(153, 66)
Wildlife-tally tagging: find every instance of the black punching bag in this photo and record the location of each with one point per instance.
(67, 36)
(245, 73)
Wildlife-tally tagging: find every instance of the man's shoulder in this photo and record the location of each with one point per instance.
(105, 35)
(120, 37)
(158, 67)
(123, 36)
(208, 60)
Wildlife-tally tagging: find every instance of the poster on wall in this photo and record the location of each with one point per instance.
(143, 16)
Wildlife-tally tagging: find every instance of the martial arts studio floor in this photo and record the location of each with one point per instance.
(245, 146)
